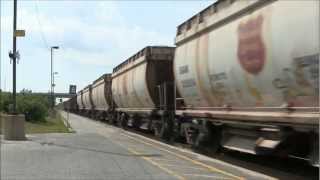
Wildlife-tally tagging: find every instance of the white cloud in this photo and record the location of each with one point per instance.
(86, 58)
(95, 38)
(89, 41)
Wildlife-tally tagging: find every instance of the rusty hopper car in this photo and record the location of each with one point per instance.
(87, 100)
(248, 73)
(136, 85)
(102, 97)
(79, 101)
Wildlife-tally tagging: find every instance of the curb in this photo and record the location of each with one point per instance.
(67, 124)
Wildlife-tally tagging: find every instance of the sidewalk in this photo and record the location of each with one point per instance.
(98, 151)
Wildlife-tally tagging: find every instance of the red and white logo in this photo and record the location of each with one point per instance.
(251, 49)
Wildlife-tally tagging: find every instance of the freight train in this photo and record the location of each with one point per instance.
(244, 75)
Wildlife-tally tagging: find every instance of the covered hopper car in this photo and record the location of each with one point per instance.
(248, 73)
(79, 102)
(87, 100)
(102, 103)
(136, 86)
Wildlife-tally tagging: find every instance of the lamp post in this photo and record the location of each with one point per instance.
(54, 85)
(52, 76)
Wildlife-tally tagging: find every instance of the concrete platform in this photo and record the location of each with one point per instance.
(99, 151)
(13, 126)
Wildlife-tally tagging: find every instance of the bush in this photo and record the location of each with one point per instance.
(5, 100)
(34, 107)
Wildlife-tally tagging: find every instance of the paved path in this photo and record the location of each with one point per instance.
(100, 151)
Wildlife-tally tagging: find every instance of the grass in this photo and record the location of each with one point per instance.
(53, 124)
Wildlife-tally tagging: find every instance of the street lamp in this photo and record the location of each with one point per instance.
(52, 76)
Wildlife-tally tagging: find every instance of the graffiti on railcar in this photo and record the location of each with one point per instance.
(251, 49)
(254, 91)
(300, 82)
(188, 83)
(218, 87)
(307, 72)
(183, 69)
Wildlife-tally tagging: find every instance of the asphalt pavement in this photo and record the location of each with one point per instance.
(100, 151)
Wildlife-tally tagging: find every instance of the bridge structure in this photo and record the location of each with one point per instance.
(56, 95)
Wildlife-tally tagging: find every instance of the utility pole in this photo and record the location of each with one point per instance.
(14, 58)
(13, 124)
(15, 55)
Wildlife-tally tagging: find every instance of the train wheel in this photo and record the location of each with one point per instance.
(111, 118)
(164, 130)
(157, 128)
(118, 119)
(136, 122)
(124, 121)
(314, 150)
(208, 139)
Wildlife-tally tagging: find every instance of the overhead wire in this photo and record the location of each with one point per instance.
(40, 25)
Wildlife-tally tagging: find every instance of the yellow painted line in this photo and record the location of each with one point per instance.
(207, 176)
(166, 160)
(183, 167)
(157, 165)
(210, 168)
(152, 162)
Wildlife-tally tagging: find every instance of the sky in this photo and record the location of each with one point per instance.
(93, 36)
